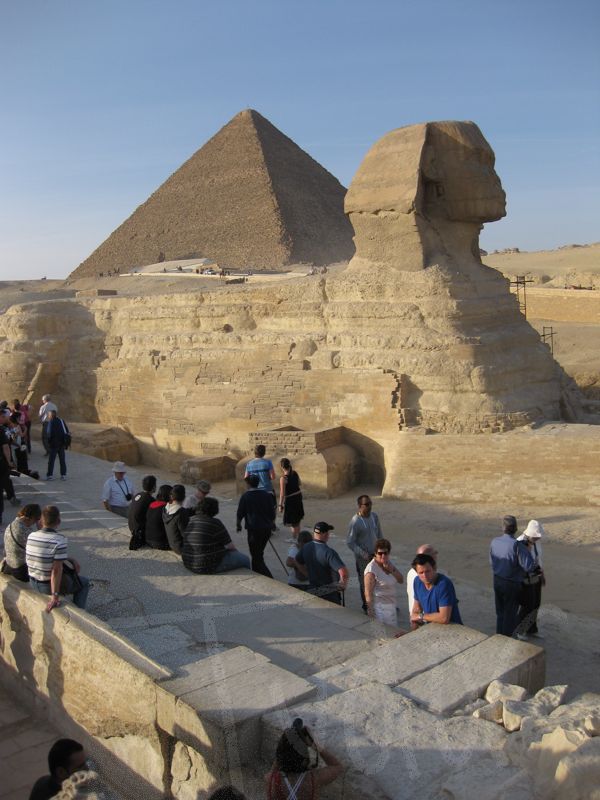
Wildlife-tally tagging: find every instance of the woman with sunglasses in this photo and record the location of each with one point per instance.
(381, 579)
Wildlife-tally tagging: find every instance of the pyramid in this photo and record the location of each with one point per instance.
(250, 197)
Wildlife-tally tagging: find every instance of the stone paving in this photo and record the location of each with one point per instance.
(24, 744)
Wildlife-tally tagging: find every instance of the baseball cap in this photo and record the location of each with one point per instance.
(323, 527)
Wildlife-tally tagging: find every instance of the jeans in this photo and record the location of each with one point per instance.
(79, 596)
(506, 595)
(60, 452)
(257, 541)
(233, 559)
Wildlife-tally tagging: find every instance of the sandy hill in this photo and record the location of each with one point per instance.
(250, 197)
(566, 266)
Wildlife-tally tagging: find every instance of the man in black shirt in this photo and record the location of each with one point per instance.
(258, 508)
(56, 438)
(66, 756)
(136, 515)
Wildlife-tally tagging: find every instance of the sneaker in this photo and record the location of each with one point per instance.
(49, 478)
(14, 501)
(522, 637)
(63, 477)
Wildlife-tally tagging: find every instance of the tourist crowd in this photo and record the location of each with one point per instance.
(165, 518)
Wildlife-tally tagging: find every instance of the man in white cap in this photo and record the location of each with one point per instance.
(531, 588)
(118, 491)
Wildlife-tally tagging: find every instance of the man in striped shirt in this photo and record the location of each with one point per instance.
(45, 554)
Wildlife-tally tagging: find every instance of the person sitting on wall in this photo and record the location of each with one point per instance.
(435, 597)
(202, 489)
(15, 541)
(118, 490)
(175, 518)
(156, 536)
(51, 571)
(138, 510)
(65, 757)
(207, 546)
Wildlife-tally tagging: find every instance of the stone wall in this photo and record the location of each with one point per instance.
(159, 732)
(564, 305)
(553, 465)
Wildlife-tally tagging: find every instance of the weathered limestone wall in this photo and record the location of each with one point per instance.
(555, 464)
(177, 733)
(564, 305)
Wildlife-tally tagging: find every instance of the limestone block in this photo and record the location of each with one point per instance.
(191, 773)
(487, 779)
(545, 755)
(104, 441)
(210, 468)
(570, 716)
(392, 746)
(466, 676)
(498, 690)
(577, 775)
(398, 660)
(491, 712)
(545, 701)
(218, 704)
(142, 754)
(470, 709)
(592, 725)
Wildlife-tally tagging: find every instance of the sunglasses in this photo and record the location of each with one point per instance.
(382, 553)
(366, 504)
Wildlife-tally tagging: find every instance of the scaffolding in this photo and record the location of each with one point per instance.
(548, 336)
(520, 283)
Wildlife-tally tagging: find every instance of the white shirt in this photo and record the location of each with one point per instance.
(385, 584)
(46, 408)
(410, 582)
(114, 491)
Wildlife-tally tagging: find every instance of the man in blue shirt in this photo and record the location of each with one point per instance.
(511, 562)
(327, 573)
(435, 598)
(262, 467)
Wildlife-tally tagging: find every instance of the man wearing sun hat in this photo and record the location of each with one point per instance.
(531, 588)
(202, 489)
(327, 573)
(118, 491)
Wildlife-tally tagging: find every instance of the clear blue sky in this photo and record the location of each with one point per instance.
(101, 100)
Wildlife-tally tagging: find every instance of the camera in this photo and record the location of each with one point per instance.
(128, 497)
(302, 731)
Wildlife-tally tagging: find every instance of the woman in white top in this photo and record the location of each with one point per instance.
(381, 580)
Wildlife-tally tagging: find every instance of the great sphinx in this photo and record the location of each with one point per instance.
(415, 333)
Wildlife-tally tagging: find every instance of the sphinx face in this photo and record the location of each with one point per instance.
(459, 182)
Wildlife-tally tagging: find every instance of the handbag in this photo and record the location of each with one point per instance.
(69, 583)
(66, 435)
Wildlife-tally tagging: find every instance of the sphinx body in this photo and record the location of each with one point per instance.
(415, 332)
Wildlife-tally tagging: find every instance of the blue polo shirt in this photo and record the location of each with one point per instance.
(441, 594)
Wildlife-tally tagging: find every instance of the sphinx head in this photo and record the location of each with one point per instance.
(421, 182)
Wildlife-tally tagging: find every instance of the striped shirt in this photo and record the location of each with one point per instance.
(43, 549)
